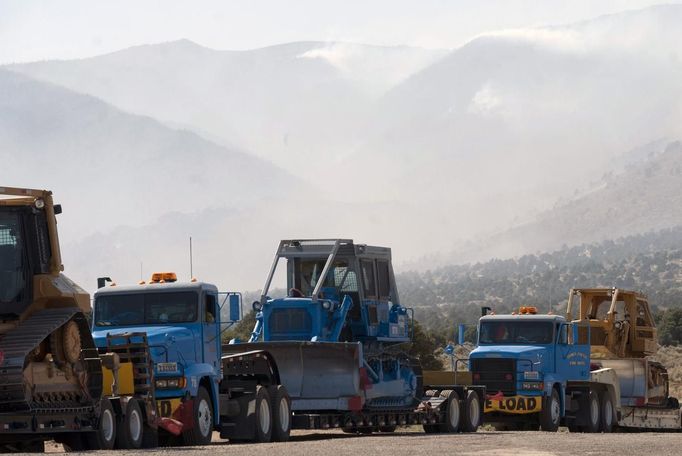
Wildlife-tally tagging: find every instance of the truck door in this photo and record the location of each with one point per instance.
(573, 357)
(211, 329)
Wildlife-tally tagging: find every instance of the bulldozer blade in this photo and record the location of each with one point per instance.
(317, 375)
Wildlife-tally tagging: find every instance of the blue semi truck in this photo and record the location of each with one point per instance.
(587, 370)
(197, 388)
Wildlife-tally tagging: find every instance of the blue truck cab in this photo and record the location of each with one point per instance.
(526, 362)
(183, 326)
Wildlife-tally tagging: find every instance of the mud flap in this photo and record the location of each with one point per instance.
(170, 425)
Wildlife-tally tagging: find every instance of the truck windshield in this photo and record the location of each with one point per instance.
(12, 277)
(501, 332)
(146, 308)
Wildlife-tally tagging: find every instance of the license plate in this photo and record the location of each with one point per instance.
(166, 367)
(514, 404)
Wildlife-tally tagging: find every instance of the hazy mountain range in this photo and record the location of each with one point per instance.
(517, 141)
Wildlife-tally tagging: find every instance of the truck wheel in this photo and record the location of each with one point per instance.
(550, 416)
(607, 413)
(105, 437)
(471, 412)
(202, 431)
(453, 413)
(130, 429)
(263, 415)
(592, 415)
(281, 413)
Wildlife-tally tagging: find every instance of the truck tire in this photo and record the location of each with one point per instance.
(131, 427)
(453, 412)
(471, 412)
(608, 413)
(550, 416)
(202, 431)
(592, 413)
(281, 413)
(263, 418)
(105, 437)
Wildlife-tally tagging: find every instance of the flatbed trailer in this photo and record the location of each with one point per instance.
(433, 413)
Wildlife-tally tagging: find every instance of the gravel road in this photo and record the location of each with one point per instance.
(334, 443)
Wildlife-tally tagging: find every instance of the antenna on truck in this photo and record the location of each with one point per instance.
(191, 267)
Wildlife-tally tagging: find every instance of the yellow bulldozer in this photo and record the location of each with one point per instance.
(51, 374)
(622, 335)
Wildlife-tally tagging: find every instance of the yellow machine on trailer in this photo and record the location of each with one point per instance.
(54, 383)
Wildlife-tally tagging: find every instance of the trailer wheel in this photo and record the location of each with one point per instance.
(592, 412)
(263, 415)
(471, 412)
(453, 413)
(550, 416)
(202, 431)
(607, 413)
(281, 413)
(105, 437)
(130, 429)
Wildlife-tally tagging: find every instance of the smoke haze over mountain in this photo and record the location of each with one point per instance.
(517, 140)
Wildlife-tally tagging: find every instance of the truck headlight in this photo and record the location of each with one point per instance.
(162, 383)
(531, 375)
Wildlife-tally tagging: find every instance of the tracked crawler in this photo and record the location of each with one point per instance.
(50, 373)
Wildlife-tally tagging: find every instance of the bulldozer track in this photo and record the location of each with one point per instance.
(16, 346)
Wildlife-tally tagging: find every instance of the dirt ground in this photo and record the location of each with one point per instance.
(334, 443)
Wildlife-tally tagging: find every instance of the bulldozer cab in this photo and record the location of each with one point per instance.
(337, 290)
(333, 268)
(621, 323)
(28, 246)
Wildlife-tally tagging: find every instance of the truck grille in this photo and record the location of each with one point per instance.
(495, 374)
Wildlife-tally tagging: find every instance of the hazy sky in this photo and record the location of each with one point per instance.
(42, 29)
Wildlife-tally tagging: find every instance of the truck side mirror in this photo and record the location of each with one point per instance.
(235, 302)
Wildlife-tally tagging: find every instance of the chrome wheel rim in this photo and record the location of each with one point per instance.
(205, 418)
(107, 425)
(453, 414)
(264, 416)
(608, 413)
(594, 411)
(135, 425)
(555, 410)
(474, 412)
(284, 414)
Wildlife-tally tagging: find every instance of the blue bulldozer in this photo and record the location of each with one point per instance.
(341, 340)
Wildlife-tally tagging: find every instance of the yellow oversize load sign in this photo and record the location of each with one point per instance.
(514, 404)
